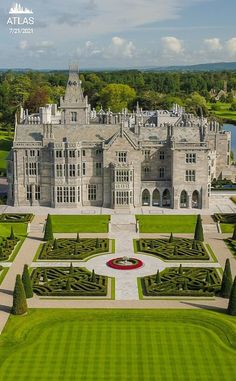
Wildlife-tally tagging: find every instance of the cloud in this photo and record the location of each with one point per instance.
(38, 48)
(172, 45)
(231, 46)
(213, 44)
(122, 47)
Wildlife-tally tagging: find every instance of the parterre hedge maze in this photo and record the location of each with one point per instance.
(225, 218)
(68, 281)
(186, 281)
(16, 217)
(179, 249)
(73, 248)
(7, 247)
(232, 245)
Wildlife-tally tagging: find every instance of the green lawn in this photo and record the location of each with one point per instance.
(80, 223)
(5, 146)
(166, 223)
(227, 228)
(19, 229)
(223, 110)
(119, 345)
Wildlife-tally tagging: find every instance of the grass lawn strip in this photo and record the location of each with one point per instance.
(166, 223)
(3, 273)
(80, 223)
(86, 344)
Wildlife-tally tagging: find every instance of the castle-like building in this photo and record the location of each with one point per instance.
(74, 156)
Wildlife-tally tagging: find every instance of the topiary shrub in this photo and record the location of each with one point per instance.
(198, 234)
(12, 235)
(234, 233)
(48, 233)
(232, 300)
(19, 299)
(227, 281)
(27, 282)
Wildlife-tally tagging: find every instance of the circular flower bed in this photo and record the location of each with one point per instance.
(124, 263)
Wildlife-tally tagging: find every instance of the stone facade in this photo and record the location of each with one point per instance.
(74, 156)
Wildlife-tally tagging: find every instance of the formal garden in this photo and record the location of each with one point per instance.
(16, 217)
(8, 246)
(182, 281)
(68, 281)
(57, 344)
(73, 248)
(173, 248)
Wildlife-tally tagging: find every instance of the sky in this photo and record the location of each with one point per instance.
(117, 33)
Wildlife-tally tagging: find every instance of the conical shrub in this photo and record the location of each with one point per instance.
(232, 300)
(78, 238)
(12, 235)
(158, 277)
(227, 281)
(55, 244)
(198, 234)
(171, 239)
(48, 233)
(19, 306)
(93, 277)
(27, 282)
(180, 269)
(71, 272)
(234, 233)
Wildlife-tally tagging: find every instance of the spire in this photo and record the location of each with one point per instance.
(74, 91)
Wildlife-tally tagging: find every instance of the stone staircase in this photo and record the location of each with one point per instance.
(123, 223)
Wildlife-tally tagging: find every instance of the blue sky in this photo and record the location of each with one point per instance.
(124, 33)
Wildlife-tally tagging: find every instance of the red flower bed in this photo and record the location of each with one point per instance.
(116, 263)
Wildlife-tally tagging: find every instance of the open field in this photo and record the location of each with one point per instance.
(166, 223)
(227, 228)
(118, 345)
(80, 223)
(223, 111)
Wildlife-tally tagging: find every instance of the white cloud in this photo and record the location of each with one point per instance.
(122, 47)
(213, 44)
(231, 46)
(172, 45)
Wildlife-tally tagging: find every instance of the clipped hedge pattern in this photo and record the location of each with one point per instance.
(71, 249)
(178, 249)
(16, 217)
(67, 281)
(7, 247)
(225, 218)
(189, 282)
(232, 245)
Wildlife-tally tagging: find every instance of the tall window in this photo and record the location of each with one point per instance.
(92, 192)
(162, 173)
(121, 156)
(83, 152)
(78, 194)
(78, 169)
(37, 192)
(122, 176)
(190, 175)
(72, 194)
(32, 152)
(162, 155)
(147, 154)
(98, 152)
(190, 157)
(59, 170)
(122, 198)
(147, 171)
(98, 169)
(71, 153)
(59, 194)
(29, 192)
(58, 153)
(74, 116)
(66, 194)
(72, 170)
(83, 169)
(31, 169)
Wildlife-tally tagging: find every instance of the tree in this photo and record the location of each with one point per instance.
(78, 238)
(227, 281)
(48, 233)
(232, 300)
(234, 233)
(180, 269)
(19, 306)
(27, 282)
(55, 244)
(198, 234)
(171, 239)
(12, 235)
(158, 277)
(93, 277)
(39, 97)
(71, 269)
(117, 97)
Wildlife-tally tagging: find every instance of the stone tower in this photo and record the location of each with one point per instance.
(74, 106)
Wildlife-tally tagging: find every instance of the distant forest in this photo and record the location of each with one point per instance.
(117, 90)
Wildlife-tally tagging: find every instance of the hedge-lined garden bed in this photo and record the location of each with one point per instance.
(186, 281)
(16, 217)
(231, 245)
(7, 246)
(175, 249)
(68, 281)
(78, 248)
